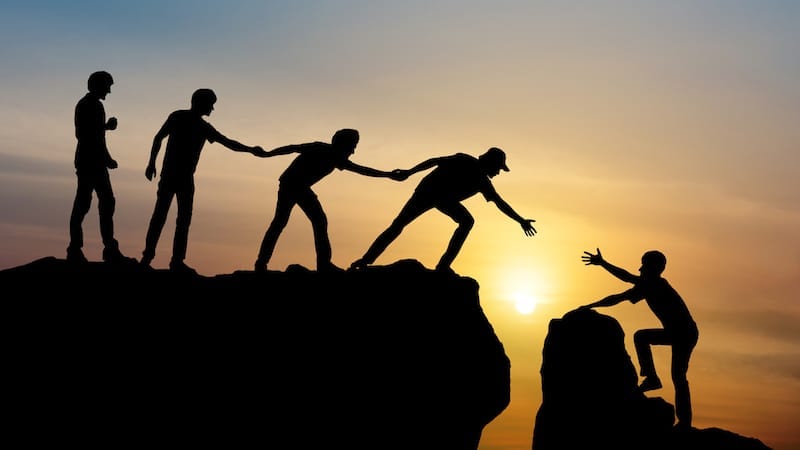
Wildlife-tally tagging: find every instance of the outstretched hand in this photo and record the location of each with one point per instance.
(590, 259)
(527, 226)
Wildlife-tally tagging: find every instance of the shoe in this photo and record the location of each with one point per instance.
(146, 261)
(75, 255)
(682, 427)
(113, 255)
(445, 269)
(650, 384)
(358, 264)
(329, 267)
(181, 267)
(260, 267)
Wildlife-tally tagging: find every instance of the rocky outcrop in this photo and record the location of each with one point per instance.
(590, 397)
(388, 357)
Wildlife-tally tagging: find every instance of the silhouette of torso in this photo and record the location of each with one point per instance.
(188, 133)
(456, 178)
(665, 302)
(314, 162)
(90, 130)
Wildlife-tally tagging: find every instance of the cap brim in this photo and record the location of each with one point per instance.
(505, 168)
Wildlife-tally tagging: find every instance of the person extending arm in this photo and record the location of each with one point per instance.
(396, 175)
(598, 260)
(526, 224)
(611, 300)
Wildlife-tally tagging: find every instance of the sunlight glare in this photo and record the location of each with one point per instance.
(524, 303)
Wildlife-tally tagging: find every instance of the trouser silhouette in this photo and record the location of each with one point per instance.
(682, 345)
(89, 181)
(415, 207)
(184, 195)
(308, 202)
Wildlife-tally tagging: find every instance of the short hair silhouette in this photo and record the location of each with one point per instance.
(656, 260)
(346, 137)
(203, 97)
(98, 80)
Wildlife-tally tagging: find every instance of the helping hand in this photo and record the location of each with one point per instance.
(528, 227)
(260, 152)
(399, 174)
(591, 259)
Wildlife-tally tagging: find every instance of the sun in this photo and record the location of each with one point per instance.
(525, 303)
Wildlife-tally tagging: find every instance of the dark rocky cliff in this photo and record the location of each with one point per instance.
(590, 397)
(389, 357)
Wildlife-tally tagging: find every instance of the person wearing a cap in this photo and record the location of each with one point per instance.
(455, 178)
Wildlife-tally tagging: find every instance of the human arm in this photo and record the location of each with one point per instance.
(150, 171)
(610, 300)
(598, 260)
(397, 174)
(505, 208)
(237, 146)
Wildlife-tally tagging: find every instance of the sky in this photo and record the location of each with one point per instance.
(628, 125)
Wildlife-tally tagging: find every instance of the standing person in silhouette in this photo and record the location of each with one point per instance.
(315, 160)
(92, 162)
(456, 178)
(679, 329)
(187, 133)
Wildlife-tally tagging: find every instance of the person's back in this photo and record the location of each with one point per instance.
(667, 305)
(455, 178)
(314, 161)
(90, 129)
(188, 133)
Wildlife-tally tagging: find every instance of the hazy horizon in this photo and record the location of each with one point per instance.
(628, 126)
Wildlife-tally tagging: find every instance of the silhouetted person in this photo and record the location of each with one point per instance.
(456, 178)
(92, 161)
(315, 161)
(187, 133)
(680, 330)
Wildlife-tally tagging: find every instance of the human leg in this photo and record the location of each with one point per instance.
(164, 197)
(681, 352)
(643, 339)
(412, 209)
(283, 208)
(465, 222)
(309, 203)
(80, 207)
(184, 197)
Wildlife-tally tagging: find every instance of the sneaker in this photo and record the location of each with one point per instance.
(358, 264)
(650, 384)
(75, 255)
(445, 269)
(181, 267)
(113, 255)
(329, 267)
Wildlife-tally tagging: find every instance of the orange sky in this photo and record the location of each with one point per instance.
(628, 126)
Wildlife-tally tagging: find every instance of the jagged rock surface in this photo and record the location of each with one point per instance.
(590, 397)
(389, 357)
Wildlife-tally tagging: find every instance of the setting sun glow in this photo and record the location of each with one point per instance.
(525, 303)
